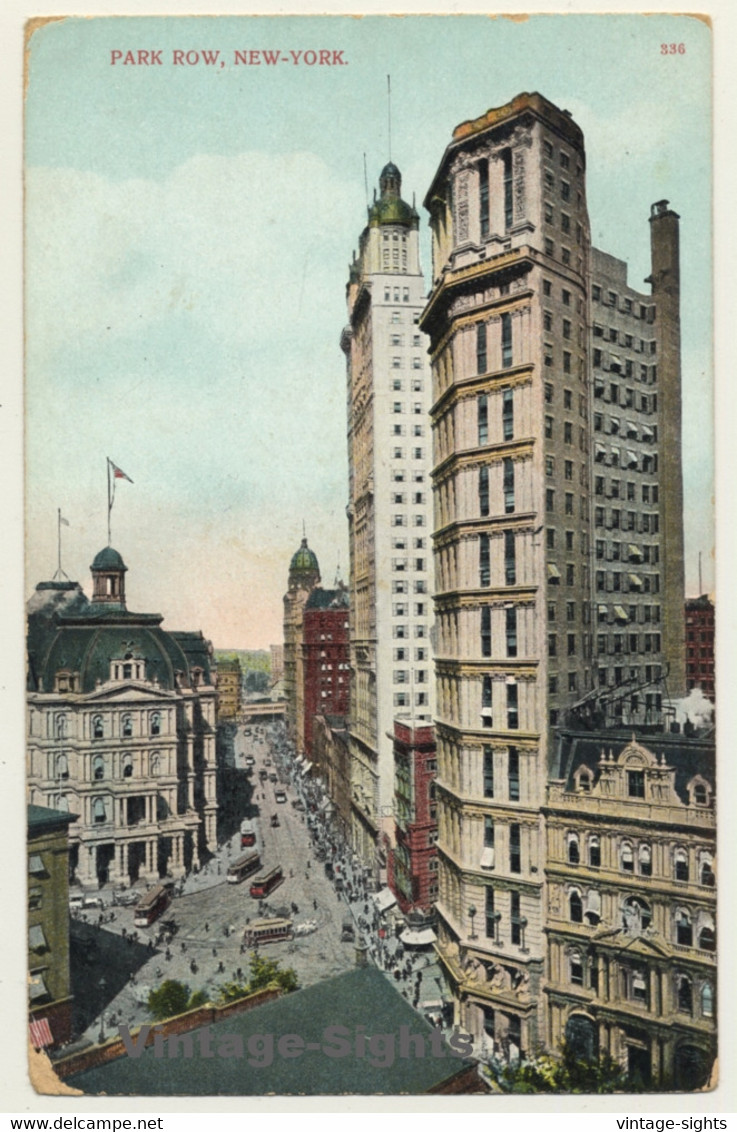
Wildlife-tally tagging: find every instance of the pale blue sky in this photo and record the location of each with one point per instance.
(189, 231)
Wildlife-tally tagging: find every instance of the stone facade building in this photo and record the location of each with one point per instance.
(121, 730)
(389, 509)
(557, 479)
(229, 686)
(304, 576)
(631, 904)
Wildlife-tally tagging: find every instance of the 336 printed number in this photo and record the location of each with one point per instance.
(673, 49)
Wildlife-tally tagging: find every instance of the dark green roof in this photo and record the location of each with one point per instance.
(304, 560)
(108, 559)
(327, 599)
(361, 1001)
(41, 818)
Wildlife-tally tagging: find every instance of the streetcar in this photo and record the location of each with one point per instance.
(246, 865)
(267, 931)
(265, 883)
(248, 834)
(150, 906)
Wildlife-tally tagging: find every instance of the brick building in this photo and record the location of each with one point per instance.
(326, 657)
(700, 645)
(413, 862)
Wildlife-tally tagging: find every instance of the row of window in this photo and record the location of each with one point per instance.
(510, 636)
(637, 918)
(646, 374)
(512, 712)
(637, 310)
(643, 522)
(626, 398)
(583, 970)
(640, 855)
(482, 360)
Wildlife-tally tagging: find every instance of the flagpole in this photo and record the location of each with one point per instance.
(58, 535)
(109, 503)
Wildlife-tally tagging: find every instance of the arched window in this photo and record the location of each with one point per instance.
(680, 864)
(700, 794)
(707, 932)
(594, 851)
(155, 723)
(636, 915)
(127, 767)
(707, 872)
(99, 813)
(155, 765)
(97, 730)
(684, 994)
(593, 907)
(575, 968)
(61, 767)
(684, 928)
(645, 859)
(575, 907)
(707, 1001)
(98, 768)
(60, 727)
(627, 858)
(584, 783)
(574, 852)
(127, 727)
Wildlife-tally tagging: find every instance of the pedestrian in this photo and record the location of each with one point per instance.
(314, 905)
(168, 955)
(221, 968)
(214, 952)
(207, 926)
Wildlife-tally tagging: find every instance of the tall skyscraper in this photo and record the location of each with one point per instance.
(537, 479)
(304, 576)
(389, 509)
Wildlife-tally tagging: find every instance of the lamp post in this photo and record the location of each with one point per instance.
(496, 917)
(522, 926)
(472, 914)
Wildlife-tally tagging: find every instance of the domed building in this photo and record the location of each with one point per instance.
(304, 576)
(121, 730)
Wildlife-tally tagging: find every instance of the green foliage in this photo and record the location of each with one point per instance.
(567, 1074)
(264, 973)
(172, 998)
(169, 999)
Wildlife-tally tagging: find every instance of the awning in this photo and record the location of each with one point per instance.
(37, 987)
(635, 580)
(36, 865)
(487, 858)
(631, 459)
(615, 422)
(36, 938)
(306, 768)
(632, 429)
(647, 433)
(553, 571)
(600, 451)
(418, 939)
(299, 760)
(603, 610)
(620, 613)
(41, 1035)
(634, 551)
(384, 899)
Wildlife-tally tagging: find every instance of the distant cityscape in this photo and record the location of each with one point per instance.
(478, 773)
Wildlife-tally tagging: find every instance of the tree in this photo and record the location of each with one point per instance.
(263, 973)
(172, 998)
(571, 1073)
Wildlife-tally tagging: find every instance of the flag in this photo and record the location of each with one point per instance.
(118, 473)
(64, 522)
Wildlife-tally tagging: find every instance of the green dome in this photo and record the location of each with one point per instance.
(108, 559)
(304, 561)
(392, 210)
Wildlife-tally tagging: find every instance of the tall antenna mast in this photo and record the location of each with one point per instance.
(365, 179)
(700, 587)
(389, 110)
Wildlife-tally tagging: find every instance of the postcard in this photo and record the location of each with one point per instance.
(370, 697)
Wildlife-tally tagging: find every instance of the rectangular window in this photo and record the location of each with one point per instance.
(511, 631)
(510, 560)
(488, 832)
(482, 415)
(486, 630)
(484, 198)
(508, 414)
(508, 198)
(486, 717)
(483, 492)
(506, 340)
(515, 925)
(508, 485)
(515, 853)
(489, 914)
(512, 707)
(488, 772)
(636, 783)
(484, 561)
(513, 774)
(481, 347)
